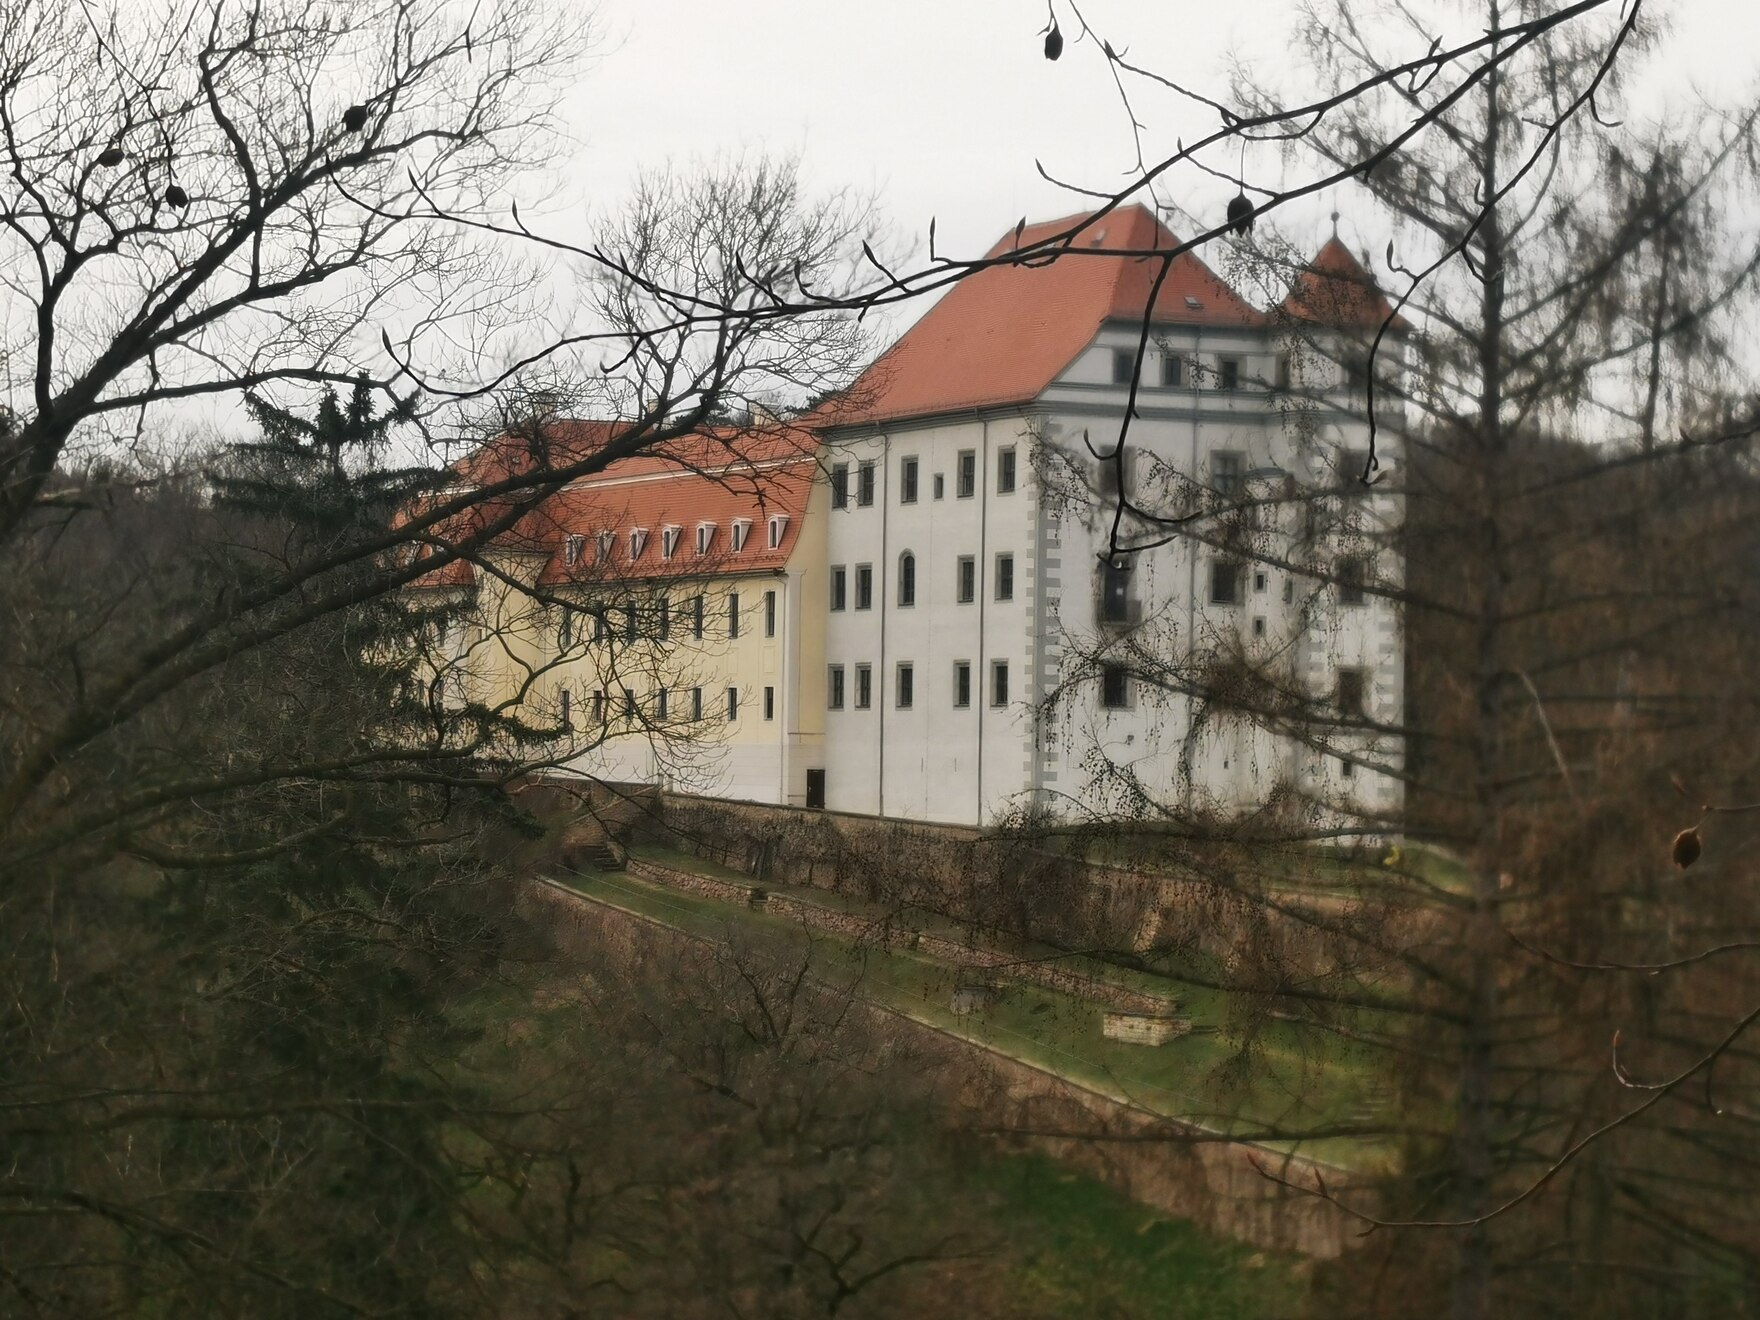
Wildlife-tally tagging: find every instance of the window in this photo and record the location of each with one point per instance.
(1228, 373)
(1005, 577)
(660, 704)
(769, 703)
(967, 578)
(566, 711)
(1173, 371)
(840, 486)
(669, 541)
(632, 622)
(733, 614)
(697, 617)
(1285, 376)
(1124, 365)
(778, 525)
(906, 685)
(864, 586)
(572, 546)
(1225, 582)
(769, 614)
(1351, 696)
(865, 485)
(1005, 470)
(705, 535)
(1226, 467)
(907, 579)
(999, 682)
(599, 706)
(742, 528)
(1350, 581)
(1259, 626)
(696, 703)
(1351, 463)
(907, 481)
(629, 704)
(834, 687)
(1115, 591)
(638, 542)
(962, 684)
(607, 542)
(1355, 373)
(663, 618)
(966, 474)
(732, 704)
(839, 586)
(940, 486)
(1259, 581)
(601, 625)
(864, 686)
(565, 630)
(1114, 687)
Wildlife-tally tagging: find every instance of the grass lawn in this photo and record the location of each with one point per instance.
(1066, 1244)
(1079, 1249)
(1209, 1076)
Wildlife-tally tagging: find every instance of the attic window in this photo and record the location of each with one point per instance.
(669, 540)
(1196, 304)
(705, 534)
(638, 541)
(571, 550)
(606, 541)
(1098, 239)
(741, 528)
(778, 524)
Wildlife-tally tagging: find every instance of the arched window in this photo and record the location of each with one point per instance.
(907, 579)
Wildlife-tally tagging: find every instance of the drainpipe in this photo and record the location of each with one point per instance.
(883, 583)
(785, 683)
(1192, 566)
(980, 680)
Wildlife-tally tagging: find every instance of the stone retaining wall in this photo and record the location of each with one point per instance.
(1175, 1168)
(818, 916)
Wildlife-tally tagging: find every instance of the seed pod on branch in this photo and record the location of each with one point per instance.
(1687, 847)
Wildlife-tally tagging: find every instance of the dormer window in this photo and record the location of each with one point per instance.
(606, 541)
(572, 546)
(669, 541)
(742, 528)
(638, 541)
(705, 537)
(778, 525)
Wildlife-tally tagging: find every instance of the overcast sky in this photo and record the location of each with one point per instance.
(941, 106)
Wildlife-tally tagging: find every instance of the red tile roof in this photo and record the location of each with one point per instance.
(1336, 290)
(713, 477)
(1003, 334)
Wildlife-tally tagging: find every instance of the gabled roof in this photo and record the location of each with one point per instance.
(1002, 335)
(1337, 291)
(715, 476)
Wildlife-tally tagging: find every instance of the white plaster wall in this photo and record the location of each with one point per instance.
(934, 761)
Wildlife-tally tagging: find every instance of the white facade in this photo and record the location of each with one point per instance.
(1062, 740)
